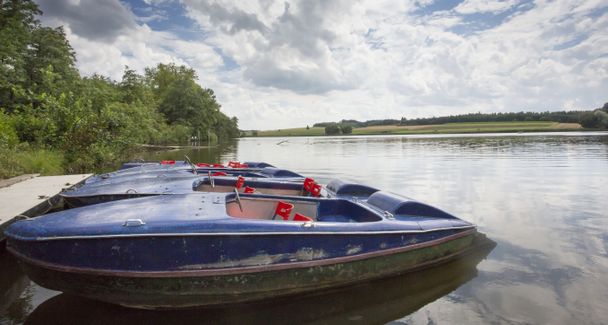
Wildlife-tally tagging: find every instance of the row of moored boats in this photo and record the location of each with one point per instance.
(176, 234)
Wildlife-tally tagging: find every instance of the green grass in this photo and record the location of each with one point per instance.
(14, 162)
(292, 132)
(477, 127)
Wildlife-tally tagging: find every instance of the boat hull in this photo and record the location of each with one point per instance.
(194, 288)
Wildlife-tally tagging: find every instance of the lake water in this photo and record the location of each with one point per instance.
(543, 198)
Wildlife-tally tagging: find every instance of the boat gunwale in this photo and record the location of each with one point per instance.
(185, 273)
(305, 231)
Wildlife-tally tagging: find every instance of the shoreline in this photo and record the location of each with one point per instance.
(552, 130)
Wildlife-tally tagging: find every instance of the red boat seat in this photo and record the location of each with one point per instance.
(203, 165)
(316, 190)
(301, 217)
(219, 174)
(308, 183)
(283, 210)
(167, 162)
(249, 190)
(240, 181)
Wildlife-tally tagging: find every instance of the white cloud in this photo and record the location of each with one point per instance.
(312, 61)
(485, 6)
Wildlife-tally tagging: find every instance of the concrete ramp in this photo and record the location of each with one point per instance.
(31, 194)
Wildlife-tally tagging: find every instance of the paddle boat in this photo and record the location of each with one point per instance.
(214, 182)
(162, 174)
(185, 168)
(373, 302)
(187, 162)
(201, 249)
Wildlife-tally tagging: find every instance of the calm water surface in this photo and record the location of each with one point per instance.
(543, 198)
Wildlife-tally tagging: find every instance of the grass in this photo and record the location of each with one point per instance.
(478, 127)
(292, 132)
(14, 162)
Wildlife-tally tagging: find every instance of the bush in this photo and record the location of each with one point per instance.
(8, 135)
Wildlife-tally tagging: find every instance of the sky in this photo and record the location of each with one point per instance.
(282, 64)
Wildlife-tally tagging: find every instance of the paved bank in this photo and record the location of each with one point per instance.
(31, 195)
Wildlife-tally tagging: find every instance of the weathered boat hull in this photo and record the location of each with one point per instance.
(193, 288)
(372, 302)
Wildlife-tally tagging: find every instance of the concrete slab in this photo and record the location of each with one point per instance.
(24, 196)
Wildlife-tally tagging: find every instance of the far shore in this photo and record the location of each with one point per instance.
(448, 128)
(154, 147)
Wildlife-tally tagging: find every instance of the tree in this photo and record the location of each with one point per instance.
(346, 129)
(332, 129)
(183, 101)
(589, 120)
(50, 49)
(17, 22)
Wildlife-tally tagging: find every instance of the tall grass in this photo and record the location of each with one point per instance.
(25, 160)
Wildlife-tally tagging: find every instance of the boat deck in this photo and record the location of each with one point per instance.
(31, 194)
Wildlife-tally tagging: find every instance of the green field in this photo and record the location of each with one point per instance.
(480, 127)
(292, 132)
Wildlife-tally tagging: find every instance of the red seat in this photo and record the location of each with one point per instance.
(236, 164)
(203, 165)
(218, 165)
(301, 217)
(316, 190)
(283, 210)
(219, 174)
(249, 190)
(167, 162)
(240, 181)
(308, 183)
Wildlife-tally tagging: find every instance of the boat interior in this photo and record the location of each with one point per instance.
(288, 209)
(227, 185)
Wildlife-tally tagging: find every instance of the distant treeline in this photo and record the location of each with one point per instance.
(589, 119)
(54, 120)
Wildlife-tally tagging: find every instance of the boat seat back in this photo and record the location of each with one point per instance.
(340, 210)
(265, 208)
(277, 172)
(227, 185)
(402, 206)
(340, 188)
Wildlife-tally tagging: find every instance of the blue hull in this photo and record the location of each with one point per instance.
(220, 248)
(163, 172)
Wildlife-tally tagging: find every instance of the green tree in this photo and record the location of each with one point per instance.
(589, 120)
(17, 22)
(134, 88)
(346, 129)
(50, 50)
(332, 129)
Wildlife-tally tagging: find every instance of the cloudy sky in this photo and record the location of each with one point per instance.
(279, 64)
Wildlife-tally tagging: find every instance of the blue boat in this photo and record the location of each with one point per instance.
(200, 249)
(186, 163)
(112, 191)
(136, 169)
(167, 172)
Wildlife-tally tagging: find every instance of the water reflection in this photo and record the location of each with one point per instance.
(222, 152)
(542, 197)
(15, 304)
(371, 303)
